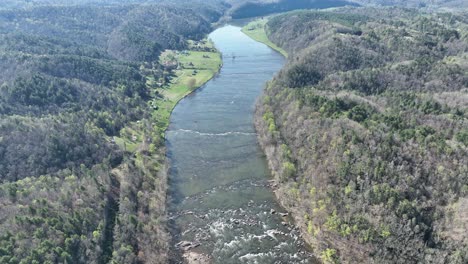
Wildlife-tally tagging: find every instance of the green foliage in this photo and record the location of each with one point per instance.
(286, 151)
(303, 17)
(268, 117)
(260, 8)
(373, 109)
(299, 76)
(462, 137)
(78, 85)
(385, 232)
(49, 145)
(53, 225)
(257, 31)
(333, 222)
(348, 190)
(289, 170)
(39, 91)
(358, 113)
(310, 227)
(333, 108)
(329, 256)
(383, 193)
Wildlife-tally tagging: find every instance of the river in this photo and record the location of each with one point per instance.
(220, 199)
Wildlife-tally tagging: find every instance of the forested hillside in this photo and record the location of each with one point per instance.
(366, 132)
(82, 160)
(253, 8)
(196, 4)
(452, 4)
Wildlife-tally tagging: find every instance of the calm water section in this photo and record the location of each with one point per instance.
(219, 178)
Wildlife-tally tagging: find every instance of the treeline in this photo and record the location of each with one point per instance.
(246, 9)
(129, 32)
(82, 167)
(365, 128)
(426, 4)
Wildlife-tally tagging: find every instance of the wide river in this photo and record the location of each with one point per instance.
(220, 199)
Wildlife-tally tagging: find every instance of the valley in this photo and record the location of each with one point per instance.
(135, 131)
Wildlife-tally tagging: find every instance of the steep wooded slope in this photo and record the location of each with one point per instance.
(82, 165)
(253, 8)
(365, 129)
(432, 4)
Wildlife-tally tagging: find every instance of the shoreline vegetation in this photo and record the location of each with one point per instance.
(87, 91)
(189, 70)
(186, 71)
(257, 31)
(367, 150)
(197, 65)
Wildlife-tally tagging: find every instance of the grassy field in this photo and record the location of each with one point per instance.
(256, 31)
(195, 68)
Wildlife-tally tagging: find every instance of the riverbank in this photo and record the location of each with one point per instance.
(146, 168)
(277, 154)
(271, 143)
(257, 31)
(332, 147)
(286, 193)
(195, 68)
(221, 204)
